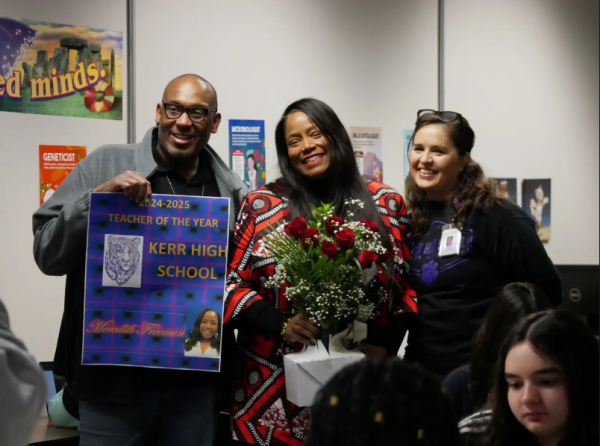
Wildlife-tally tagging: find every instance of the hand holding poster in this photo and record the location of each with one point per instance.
(155, 281)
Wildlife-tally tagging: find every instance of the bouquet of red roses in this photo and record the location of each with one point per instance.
(329, 265)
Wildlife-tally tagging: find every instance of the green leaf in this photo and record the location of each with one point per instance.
(321, 268)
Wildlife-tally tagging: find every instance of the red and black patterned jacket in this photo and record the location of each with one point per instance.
(261, 413)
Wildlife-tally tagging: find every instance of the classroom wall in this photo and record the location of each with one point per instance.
(374, 63)
(525, 74)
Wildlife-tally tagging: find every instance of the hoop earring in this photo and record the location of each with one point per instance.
(216, 335)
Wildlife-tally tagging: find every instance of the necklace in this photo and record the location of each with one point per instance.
(173, 190)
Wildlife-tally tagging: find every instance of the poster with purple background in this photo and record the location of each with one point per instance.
(155, 281)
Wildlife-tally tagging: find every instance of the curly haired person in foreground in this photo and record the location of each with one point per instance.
(382, 403)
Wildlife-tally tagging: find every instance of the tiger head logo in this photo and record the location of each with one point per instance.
(122, 258)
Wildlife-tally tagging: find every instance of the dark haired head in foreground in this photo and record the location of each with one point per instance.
(512, 303)
(382, 403)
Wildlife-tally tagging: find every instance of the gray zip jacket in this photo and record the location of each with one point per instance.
(60, 229)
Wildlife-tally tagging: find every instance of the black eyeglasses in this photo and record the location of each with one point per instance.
(446, 116)
(196, 114)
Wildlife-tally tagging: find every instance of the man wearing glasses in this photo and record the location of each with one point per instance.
(131, 405)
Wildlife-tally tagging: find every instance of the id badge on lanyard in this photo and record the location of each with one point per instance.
(450, 243)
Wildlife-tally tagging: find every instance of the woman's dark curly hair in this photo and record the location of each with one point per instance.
(566, 340)
(472, 191)
(382, 403)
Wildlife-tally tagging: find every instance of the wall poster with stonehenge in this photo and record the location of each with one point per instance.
(64, 70)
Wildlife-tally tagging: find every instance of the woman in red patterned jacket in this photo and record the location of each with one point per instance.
(317, 164)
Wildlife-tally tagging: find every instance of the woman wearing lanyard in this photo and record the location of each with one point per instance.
(468, 243)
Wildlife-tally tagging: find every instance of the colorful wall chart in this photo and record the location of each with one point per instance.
(56, 162)
(54, 69)
(366, 142)
(247, 151)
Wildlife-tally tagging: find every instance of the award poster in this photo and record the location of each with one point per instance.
(64, 70)
(247, 151)
(56, 162)
(155, 281)
(366, 142)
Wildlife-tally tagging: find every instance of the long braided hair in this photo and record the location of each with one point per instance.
(382, 403)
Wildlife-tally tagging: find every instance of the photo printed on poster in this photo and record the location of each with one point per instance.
(537, 202)
(155, 281)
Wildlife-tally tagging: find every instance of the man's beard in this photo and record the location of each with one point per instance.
(174, 153)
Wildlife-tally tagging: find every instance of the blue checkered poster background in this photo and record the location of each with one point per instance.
(170, 303)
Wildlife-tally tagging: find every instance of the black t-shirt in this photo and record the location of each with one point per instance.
(499, 246)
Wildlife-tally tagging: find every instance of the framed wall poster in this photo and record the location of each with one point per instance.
(64, 70)
(537, 202)
(56, 162)
(366, 142)
(247, 151)
(507, 187)
(155, 281)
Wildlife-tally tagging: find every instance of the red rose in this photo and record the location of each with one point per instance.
(366, 259)
(345, 238)
(295, 226)
(370, 225)
(333, 223)
(383, 258)
(309, 236)
(329, 249)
